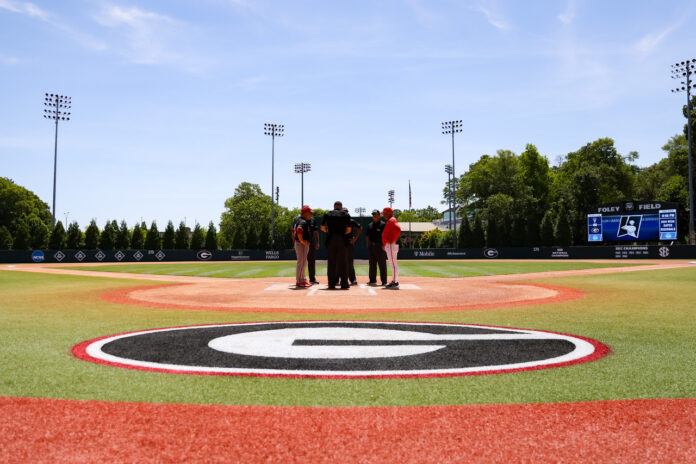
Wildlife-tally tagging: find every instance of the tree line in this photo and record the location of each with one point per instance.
(521, 200)
(502, 200)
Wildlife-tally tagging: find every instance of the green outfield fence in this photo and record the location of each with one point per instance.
(134, 256)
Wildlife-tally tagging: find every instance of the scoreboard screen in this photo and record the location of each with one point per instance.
(648, 222)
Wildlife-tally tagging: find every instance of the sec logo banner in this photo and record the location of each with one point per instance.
(340, 349)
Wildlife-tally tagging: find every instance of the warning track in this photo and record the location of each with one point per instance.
(69, 431)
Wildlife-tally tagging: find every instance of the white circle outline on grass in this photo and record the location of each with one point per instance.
(585, 350)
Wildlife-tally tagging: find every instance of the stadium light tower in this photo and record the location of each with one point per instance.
(453, 127)
(683, 71)
(391, 198)
(448, 170)
(56, 107)
(360, 210)
(274, 130)
(301, 168)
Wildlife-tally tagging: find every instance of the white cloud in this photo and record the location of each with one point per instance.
(25, 8)
(33, 11)
(493, 16)
(649, 42)
(146, 37)
(568, 15)
(9, 60)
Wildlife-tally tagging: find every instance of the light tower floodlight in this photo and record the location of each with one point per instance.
(391, 198)
(301, 168)
(274, 130)
(683, 71)
(360, 210)
(56, 107)
(453, 127)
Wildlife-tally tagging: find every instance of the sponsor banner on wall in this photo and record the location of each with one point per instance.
(134, 256)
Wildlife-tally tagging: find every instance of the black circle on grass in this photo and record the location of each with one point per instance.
(340, 349)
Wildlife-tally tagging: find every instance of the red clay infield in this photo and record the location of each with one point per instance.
(68, 431)
(276, 295)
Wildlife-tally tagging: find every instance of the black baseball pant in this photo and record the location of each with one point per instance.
(378, 257)
(337, 269)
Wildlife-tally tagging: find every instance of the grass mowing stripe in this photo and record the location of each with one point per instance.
(407, 268)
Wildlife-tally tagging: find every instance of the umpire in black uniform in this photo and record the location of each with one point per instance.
(336, 224)
(351, 238)
(377, 255)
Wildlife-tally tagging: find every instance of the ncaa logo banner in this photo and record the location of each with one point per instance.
(340, 349)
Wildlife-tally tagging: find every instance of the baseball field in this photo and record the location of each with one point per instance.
(470, 361)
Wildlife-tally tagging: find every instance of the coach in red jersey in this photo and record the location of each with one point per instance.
(390, 235)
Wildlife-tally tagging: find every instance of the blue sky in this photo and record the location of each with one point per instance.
(170, 97)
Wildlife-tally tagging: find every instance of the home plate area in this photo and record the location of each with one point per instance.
(320, 290)
(279, 295)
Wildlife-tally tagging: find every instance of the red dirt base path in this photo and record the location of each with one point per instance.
(68, 431)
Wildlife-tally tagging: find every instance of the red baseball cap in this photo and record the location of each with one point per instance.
(307, 209)
(388, 210)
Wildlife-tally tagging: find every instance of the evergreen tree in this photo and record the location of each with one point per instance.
(464, 232)
(197, 238)
(5, 239)
(211, 239)
(153, 241)
(518, 232)
(563, 230)
(92, 236)
(169, 237)
(22, 237)
(181, 239)
(38, 232)
(492, 233)
(532, 232)
(137, 238)
(478, 239)
(253, 238)
(107, 239)
(75, 240)
(446, 240)
(58, 238)
(546, 234)
(240, 239)
(225, 242)
(123, 237)
(265, 237)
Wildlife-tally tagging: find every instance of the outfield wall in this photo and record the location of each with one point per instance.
(134, 256)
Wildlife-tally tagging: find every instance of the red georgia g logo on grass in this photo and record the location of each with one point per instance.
(340, 349)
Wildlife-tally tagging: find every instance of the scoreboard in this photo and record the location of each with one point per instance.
(633, 222)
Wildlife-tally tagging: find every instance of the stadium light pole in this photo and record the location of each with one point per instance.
(448, 170)
(360, 210)
(301, 168)
(391, 198)
(274, 130)
(56, 107)
(683, 71)
(453, 127)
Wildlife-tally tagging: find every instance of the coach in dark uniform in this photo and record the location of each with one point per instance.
(313, 240)
(336, 224)
(378, 257)
(351, 238)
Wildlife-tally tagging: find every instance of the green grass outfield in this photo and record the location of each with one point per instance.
(647, 318)
(422, 268)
